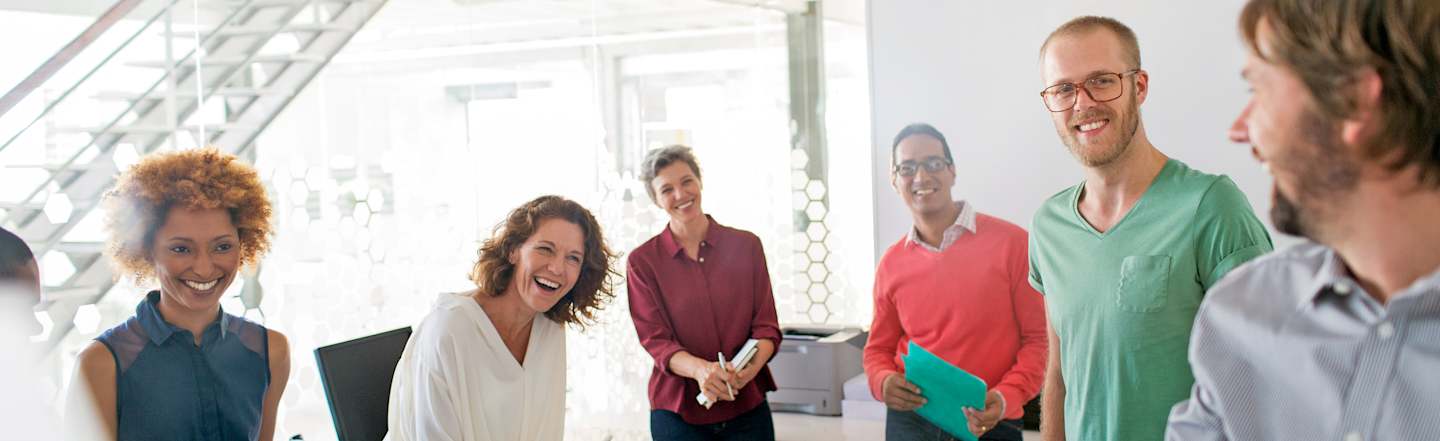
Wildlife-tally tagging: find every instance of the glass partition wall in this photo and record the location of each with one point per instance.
(441, 115)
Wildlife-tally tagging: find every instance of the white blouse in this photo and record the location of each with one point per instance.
(457, 381)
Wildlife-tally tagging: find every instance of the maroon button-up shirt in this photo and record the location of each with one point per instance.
(702, 306)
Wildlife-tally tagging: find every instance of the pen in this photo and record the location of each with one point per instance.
(722, 366)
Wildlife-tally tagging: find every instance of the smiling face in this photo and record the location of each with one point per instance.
(196, 253)
(548, 263)
(1302, 149)
(1096, 133)
(926, 192)
(677, 191)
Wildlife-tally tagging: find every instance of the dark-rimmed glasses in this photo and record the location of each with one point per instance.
(932, 165)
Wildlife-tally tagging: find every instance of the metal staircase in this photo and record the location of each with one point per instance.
(251, 65)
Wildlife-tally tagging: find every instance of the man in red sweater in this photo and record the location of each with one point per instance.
(957, 286)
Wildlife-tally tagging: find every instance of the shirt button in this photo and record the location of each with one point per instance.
(1354, 436)
(1341, 289)
(1386, 330)
(702, 260)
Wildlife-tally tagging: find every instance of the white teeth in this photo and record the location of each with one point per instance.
(547, 283)
(201, 286)
(1092, 125)
(924, 192)
(685, 205)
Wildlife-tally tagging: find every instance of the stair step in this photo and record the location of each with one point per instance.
(54, 167)
(71, 292)
(71, 295)
(152, 129)
(12, 206)
(231, 4)
(236, 31)
(80, 247)
(227, 92)
(268, 58)
(32, 205)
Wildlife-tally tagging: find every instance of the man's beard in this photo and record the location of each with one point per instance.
(1286, 216)
(1323, 174)
(1102, 155)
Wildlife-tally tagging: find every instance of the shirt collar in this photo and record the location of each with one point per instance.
(1333, 278)
(671, 246)
(965, 221)
(159, 330)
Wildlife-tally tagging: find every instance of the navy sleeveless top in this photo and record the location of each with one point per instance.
(169, 389)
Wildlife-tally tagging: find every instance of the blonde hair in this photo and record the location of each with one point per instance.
(1089, 23)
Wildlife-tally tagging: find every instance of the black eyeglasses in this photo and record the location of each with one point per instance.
(1101, 88)
(931, 164)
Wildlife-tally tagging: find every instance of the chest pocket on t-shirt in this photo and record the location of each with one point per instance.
(1144, 283)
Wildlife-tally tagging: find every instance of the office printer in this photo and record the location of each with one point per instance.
(812, 365)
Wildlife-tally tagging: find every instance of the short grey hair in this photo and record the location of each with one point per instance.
(662, 157)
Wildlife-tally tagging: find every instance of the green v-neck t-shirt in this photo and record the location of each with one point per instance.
(1123, 301)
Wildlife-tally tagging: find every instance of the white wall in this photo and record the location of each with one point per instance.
(971, 69)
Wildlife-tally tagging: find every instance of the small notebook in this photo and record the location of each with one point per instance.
(947, 390)
(742, 357)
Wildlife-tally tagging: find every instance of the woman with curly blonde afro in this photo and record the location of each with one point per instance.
(183, 368)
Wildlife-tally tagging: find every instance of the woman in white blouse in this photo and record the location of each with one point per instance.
(489, 364)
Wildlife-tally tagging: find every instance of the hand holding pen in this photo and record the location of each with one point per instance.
(728, 369)
(715, 380)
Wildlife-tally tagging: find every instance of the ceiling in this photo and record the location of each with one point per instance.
(443, 26)
(431, 23)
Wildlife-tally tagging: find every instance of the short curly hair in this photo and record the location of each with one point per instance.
(595, 287)
(200, 178)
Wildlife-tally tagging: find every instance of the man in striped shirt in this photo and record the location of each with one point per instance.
(1339, 338)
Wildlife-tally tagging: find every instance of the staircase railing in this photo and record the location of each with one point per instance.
(230, 52)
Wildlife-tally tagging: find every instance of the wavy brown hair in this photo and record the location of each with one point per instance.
(594, 288)
(201, 178)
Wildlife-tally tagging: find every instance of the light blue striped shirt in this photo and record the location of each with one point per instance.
(1290, 347)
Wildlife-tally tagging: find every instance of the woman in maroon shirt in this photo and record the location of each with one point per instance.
(699, 289)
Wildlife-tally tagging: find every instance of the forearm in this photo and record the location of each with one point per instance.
(686, 365)
(1052, 398)
(1052, 409)
(764, 350)
(878, 357)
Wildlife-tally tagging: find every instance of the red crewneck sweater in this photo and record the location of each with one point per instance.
(970, 304)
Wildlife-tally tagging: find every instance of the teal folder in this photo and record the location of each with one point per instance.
(947, 390)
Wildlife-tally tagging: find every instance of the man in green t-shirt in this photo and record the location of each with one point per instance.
(1124, 257)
